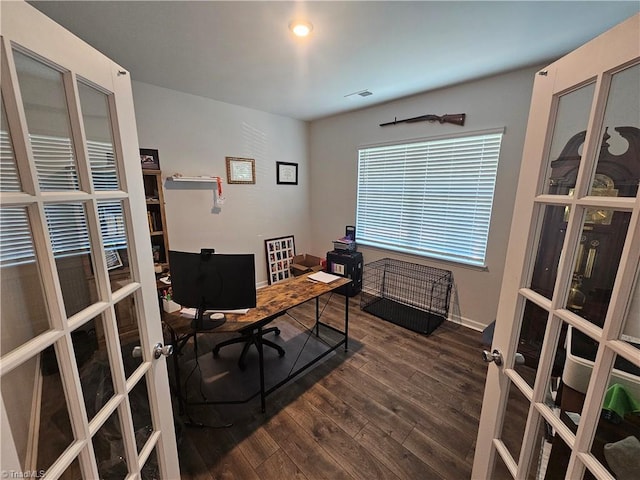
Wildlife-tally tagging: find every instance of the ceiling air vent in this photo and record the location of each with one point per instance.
(362, 93)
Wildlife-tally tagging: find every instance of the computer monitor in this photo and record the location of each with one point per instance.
(211, 281)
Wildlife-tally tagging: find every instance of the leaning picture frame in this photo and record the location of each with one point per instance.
(113, 259)
(149, 159)
(279, 254)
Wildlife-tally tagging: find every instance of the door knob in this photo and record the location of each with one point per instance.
(494, 356)
(159, 350)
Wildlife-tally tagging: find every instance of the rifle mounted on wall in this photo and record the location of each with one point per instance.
(456, 119)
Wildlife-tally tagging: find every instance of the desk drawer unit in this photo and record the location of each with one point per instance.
(349, 265)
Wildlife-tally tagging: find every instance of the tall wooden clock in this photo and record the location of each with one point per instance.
(602, 237)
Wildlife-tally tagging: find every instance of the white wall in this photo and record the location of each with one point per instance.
(193, 136)
(501, 101)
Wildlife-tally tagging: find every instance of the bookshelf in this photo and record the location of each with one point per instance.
(155, 216)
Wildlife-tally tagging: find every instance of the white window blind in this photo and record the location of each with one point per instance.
(66, 222)
(67, 229)
(55, 163)
(16, 245)
(430, 198)
(103, 165)
(9, 178)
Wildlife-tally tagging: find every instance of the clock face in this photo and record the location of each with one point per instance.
(603, 182)
(602, 186)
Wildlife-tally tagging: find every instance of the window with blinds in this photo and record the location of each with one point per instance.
(431, 198)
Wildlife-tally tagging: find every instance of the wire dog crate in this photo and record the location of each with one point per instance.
(407, 294)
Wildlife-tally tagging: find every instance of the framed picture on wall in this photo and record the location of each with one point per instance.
(286, 173)
(279, 252)
(149, 159)
(241, 170)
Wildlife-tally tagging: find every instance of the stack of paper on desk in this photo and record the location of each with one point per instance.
(324, 277)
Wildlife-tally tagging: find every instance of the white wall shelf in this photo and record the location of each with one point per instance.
(193, 179)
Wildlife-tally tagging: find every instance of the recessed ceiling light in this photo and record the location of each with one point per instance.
(301, 28)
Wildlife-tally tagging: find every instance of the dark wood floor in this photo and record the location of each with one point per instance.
(398, 405)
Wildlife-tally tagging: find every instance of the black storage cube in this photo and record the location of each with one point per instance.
(346, 264)
(407, 294)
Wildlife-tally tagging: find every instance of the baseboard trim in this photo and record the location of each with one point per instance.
(469, 323)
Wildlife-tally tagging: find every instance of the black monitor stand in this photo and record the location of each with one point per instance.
(202, 323)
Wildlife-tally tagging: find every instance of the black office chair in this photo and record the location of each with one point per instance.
(249, 336)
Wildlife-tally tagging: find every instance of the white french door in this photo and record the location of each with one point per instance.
(76, 271)
(570, 297)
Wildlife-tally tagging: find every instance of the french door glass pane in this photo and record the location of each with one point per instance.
(631, 326)
(558, 457)
(553, 229)
(67, 223)
(515, 420)
(37, 411)
(541, 450)
(500, 471)
(97, 127)
(530, 346)
(618, 427)
(596, 264)
(141, 413)
(47, 115)
(115, 242)
(109, 449)
(72, 472)
(24, 311)
(534, 325)
(92, 359)
(568, 136)
(578, 367)
(9, 177)
(621, 130)
(129, 333)
(151, 470)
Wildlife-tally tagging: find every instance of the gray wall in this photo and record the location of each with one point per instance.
(501, 101)
(193, 136)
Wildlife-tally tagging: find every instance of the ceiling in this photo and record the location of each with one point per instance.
(242, 52)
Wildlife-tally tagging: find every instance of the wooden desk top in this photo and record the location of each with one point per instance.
(271, 301)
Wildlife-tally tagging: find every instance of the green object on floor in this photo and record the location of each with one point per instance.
(619, 401)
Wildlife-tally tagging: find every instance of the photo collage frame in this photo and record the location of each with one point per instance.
(279, 252)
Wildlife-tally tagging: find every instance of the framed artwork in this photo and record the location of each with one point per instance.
(241, 170)
(113, 259)
(286, 173)
(279, 252)
(149, 159)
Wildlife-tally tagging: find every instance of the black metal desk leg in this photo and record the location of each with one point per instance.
(176, 371)
(317, 316)
(261, 363)
(346, 322)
